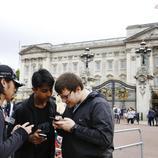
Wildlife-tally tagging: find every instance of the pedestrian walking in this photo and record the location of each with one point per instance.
(156, 115)
(117, 112)
(130, 115)
(151, 116)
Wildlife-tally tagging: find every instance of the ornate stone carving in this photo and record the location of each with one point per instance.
(133, 58)
(143, 76)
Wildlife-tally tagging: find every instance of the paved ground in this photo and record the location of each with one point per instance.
(149, 137)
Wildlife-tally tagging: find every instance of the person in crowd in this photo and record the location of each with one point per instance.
(87, 124)
(122, 113)
(117, 112)
(151, 116)
(156, 115)
(38, 109)
(136, 117)
(8, 86)
(130, 115)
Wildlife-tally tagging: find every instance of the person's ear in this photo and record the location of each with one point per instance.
(3, 82)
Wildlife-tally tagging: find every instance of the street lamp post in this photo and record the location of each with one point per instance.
(86, 57)
(144, 52)
(143, 76)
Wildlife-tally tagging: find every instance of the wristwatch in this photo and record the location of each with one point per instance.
(74, 128)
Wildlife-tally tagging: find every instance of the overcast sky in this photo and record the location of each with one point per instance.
(24, 22)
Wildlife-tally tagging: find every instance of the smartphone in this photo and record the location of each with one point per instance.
(43, 135)
(54, 118)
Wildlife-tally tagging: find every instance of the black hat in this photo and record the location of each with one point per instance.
(7, 72)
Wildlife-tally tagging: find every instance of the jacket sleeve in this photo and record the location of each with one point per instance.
(10, 145)
(102, 126)
(16, 117)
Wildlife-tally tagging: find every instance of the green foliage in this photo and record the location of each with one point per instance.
(17, 73)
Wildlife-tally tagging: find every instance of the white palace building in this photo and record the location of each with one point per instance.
(114, 58)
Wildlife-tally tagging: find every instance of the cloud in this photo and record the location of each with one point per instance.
(63, 21)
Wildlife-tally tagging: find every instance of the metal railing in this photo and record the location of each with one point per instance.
(139, 143)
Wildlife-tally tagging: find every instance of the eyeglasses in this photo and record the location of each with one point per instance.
(66, 96)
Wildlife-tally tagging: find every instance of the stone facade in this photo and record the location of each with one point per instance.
(113, 58)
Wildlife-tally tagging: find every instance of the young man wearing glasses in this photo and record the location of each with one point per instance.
(87, 122)
(8, 86)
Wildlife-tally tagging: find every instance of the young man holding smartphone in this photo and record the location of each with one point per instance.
(87, 126)
(38, 109)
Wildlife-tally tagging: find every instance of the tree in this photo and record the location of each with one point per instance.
(17, 73)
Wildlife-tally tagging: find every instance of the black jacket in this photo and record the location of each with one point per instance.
(10, 145)
(26, 113)
(93, 137)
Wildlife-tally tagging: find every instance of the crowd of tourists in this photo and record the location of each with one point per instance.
(131, 116)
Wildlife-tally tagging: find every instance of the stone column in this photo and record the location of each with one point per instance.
(143, 92)
(151, 68)
(29, 73)
(46, 61)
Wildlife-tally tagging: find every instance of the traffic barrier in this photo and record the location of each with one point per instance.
(136, 144)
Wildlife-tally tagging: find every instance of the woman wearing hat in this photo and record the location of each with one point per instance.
(8, 87)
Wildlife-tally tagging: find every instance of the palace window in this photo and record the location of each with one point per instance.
(156, 81)
(156, 61)
(110, 65)
(26, 70)
(97, 65)
(75, 66)
(33, 67)
(122, 64)
(40, 66)
(54, 68)
(65, 67)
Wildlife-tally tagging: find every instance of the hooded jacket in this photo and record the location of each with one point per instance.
(26, 113)
(93, 135)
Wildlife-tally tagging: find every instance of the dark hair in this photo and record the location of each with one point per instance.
(69, 81)
(42, 76)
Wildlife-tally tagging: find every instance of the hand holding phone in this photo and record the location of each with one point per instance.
(56, 118)
(44, 136)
